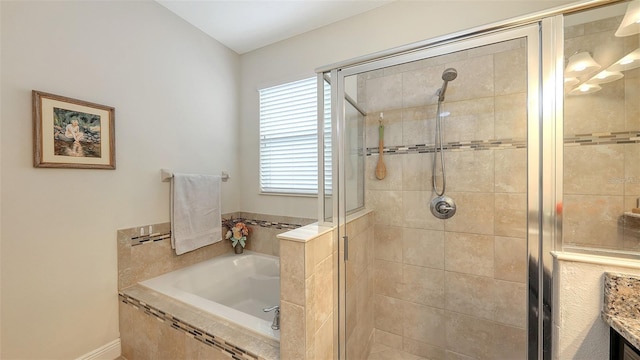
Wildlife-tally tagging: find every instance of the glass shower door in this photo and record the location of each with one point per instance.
(411, 284)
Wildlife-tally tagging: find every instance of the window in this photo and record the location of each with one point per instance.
(289, 138)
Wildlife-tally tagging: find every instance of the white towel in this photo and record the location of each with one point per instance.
(195, 212)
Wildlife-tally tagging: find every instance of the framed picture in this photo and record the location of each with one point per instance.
(70, 133)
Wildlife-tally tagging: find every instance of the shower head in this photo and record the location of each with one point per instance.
(448, 74)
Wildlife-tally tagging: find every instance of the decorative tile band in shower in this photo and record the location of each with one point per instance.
(622, 137)
(233, 351)
(496, 144)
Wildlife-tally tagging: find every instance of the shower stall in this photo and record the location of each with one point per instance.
(469, 274)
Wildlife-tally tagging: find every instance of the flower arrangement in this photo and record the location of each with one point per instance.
(237, 232)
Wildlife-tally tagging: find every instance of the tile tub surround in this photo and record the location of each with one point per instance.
(142, 257)
(156, 326)
(621, 308)
(602, 147)
(307, 303)
(147, 256)
(456, 287)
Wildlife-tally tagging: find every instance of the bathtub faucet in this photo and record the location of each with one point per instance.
(276, 318)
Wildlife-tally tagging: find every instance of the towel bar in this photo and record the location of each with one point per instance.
(166, 175)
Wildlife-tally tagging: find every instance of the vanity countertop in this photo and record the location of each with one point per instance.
(621, 308)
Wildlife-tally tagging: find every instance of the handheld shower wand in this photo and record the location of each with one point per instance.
(449, 74)
(442, 206)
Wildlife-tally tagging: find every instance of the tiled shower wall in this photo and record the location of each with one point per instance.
(446, 288)
(602, 146)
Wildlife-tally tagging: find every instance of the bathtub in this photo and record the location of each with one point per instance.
(233, 287)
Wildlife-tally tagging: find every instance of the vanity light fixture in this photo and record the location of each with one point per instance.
(630, 24)
(628, 62)
(605, 76)
(580, 63)
(585, 89)
(571, 81)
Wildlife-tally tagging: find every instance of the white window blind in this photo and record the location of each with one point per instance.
(288, 138)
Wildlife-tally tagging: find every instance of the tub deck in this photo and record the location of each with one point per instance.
(208, 328)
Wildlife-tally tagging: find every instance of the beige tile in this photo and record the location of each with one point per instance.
(631, 226)
(393, 178)
(469, 120)
(418, 125)
(590, 220)
(384, 93)
(322, 247)
(388, 314)
(512, 342)
(474, 214)
(511, 170)
(459, 166)
(475, 79)
(417, 171)
(511, 72)
(292, 328)
(292, 272)
(323, 291)
(496, 48)
(450, 355)
(423, 248)
(385, 338)
(602, 111)
(388, 278)
(510, 259)
(632, 169)
(423, 285)
(171, 344)
(470, 294)
(388, 242)
(393, 128)
(310, 308)
(422, 349)
(416, 213)
(470, 335)
(419, 87)
(351, 311)
(423, 323)
(323, 341)
(387, 206)
(469, 253)
(511, 303)
(511, 215)
(631, 96)
(594, 170)
(511, 116)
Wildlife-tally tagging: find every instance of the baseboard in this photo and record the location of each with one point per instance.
(108, 351)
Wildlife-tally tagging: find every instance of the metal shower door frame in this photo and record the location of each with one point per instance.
(539, 327)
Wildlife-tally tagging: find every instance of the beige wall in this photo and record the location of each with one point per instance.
(386, 27)
(175, 91)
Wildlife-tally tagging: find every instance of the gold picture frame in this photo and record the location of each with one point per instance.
(71, 133)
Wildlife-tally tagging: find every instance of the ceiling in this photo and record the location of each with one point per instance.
(246, 25)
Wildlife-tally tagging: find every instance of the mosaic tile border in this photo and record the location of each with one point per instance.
(233, 351)
(144, 239)
(494, 144)
(267, 224)
(150, 238)
(605, 138)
